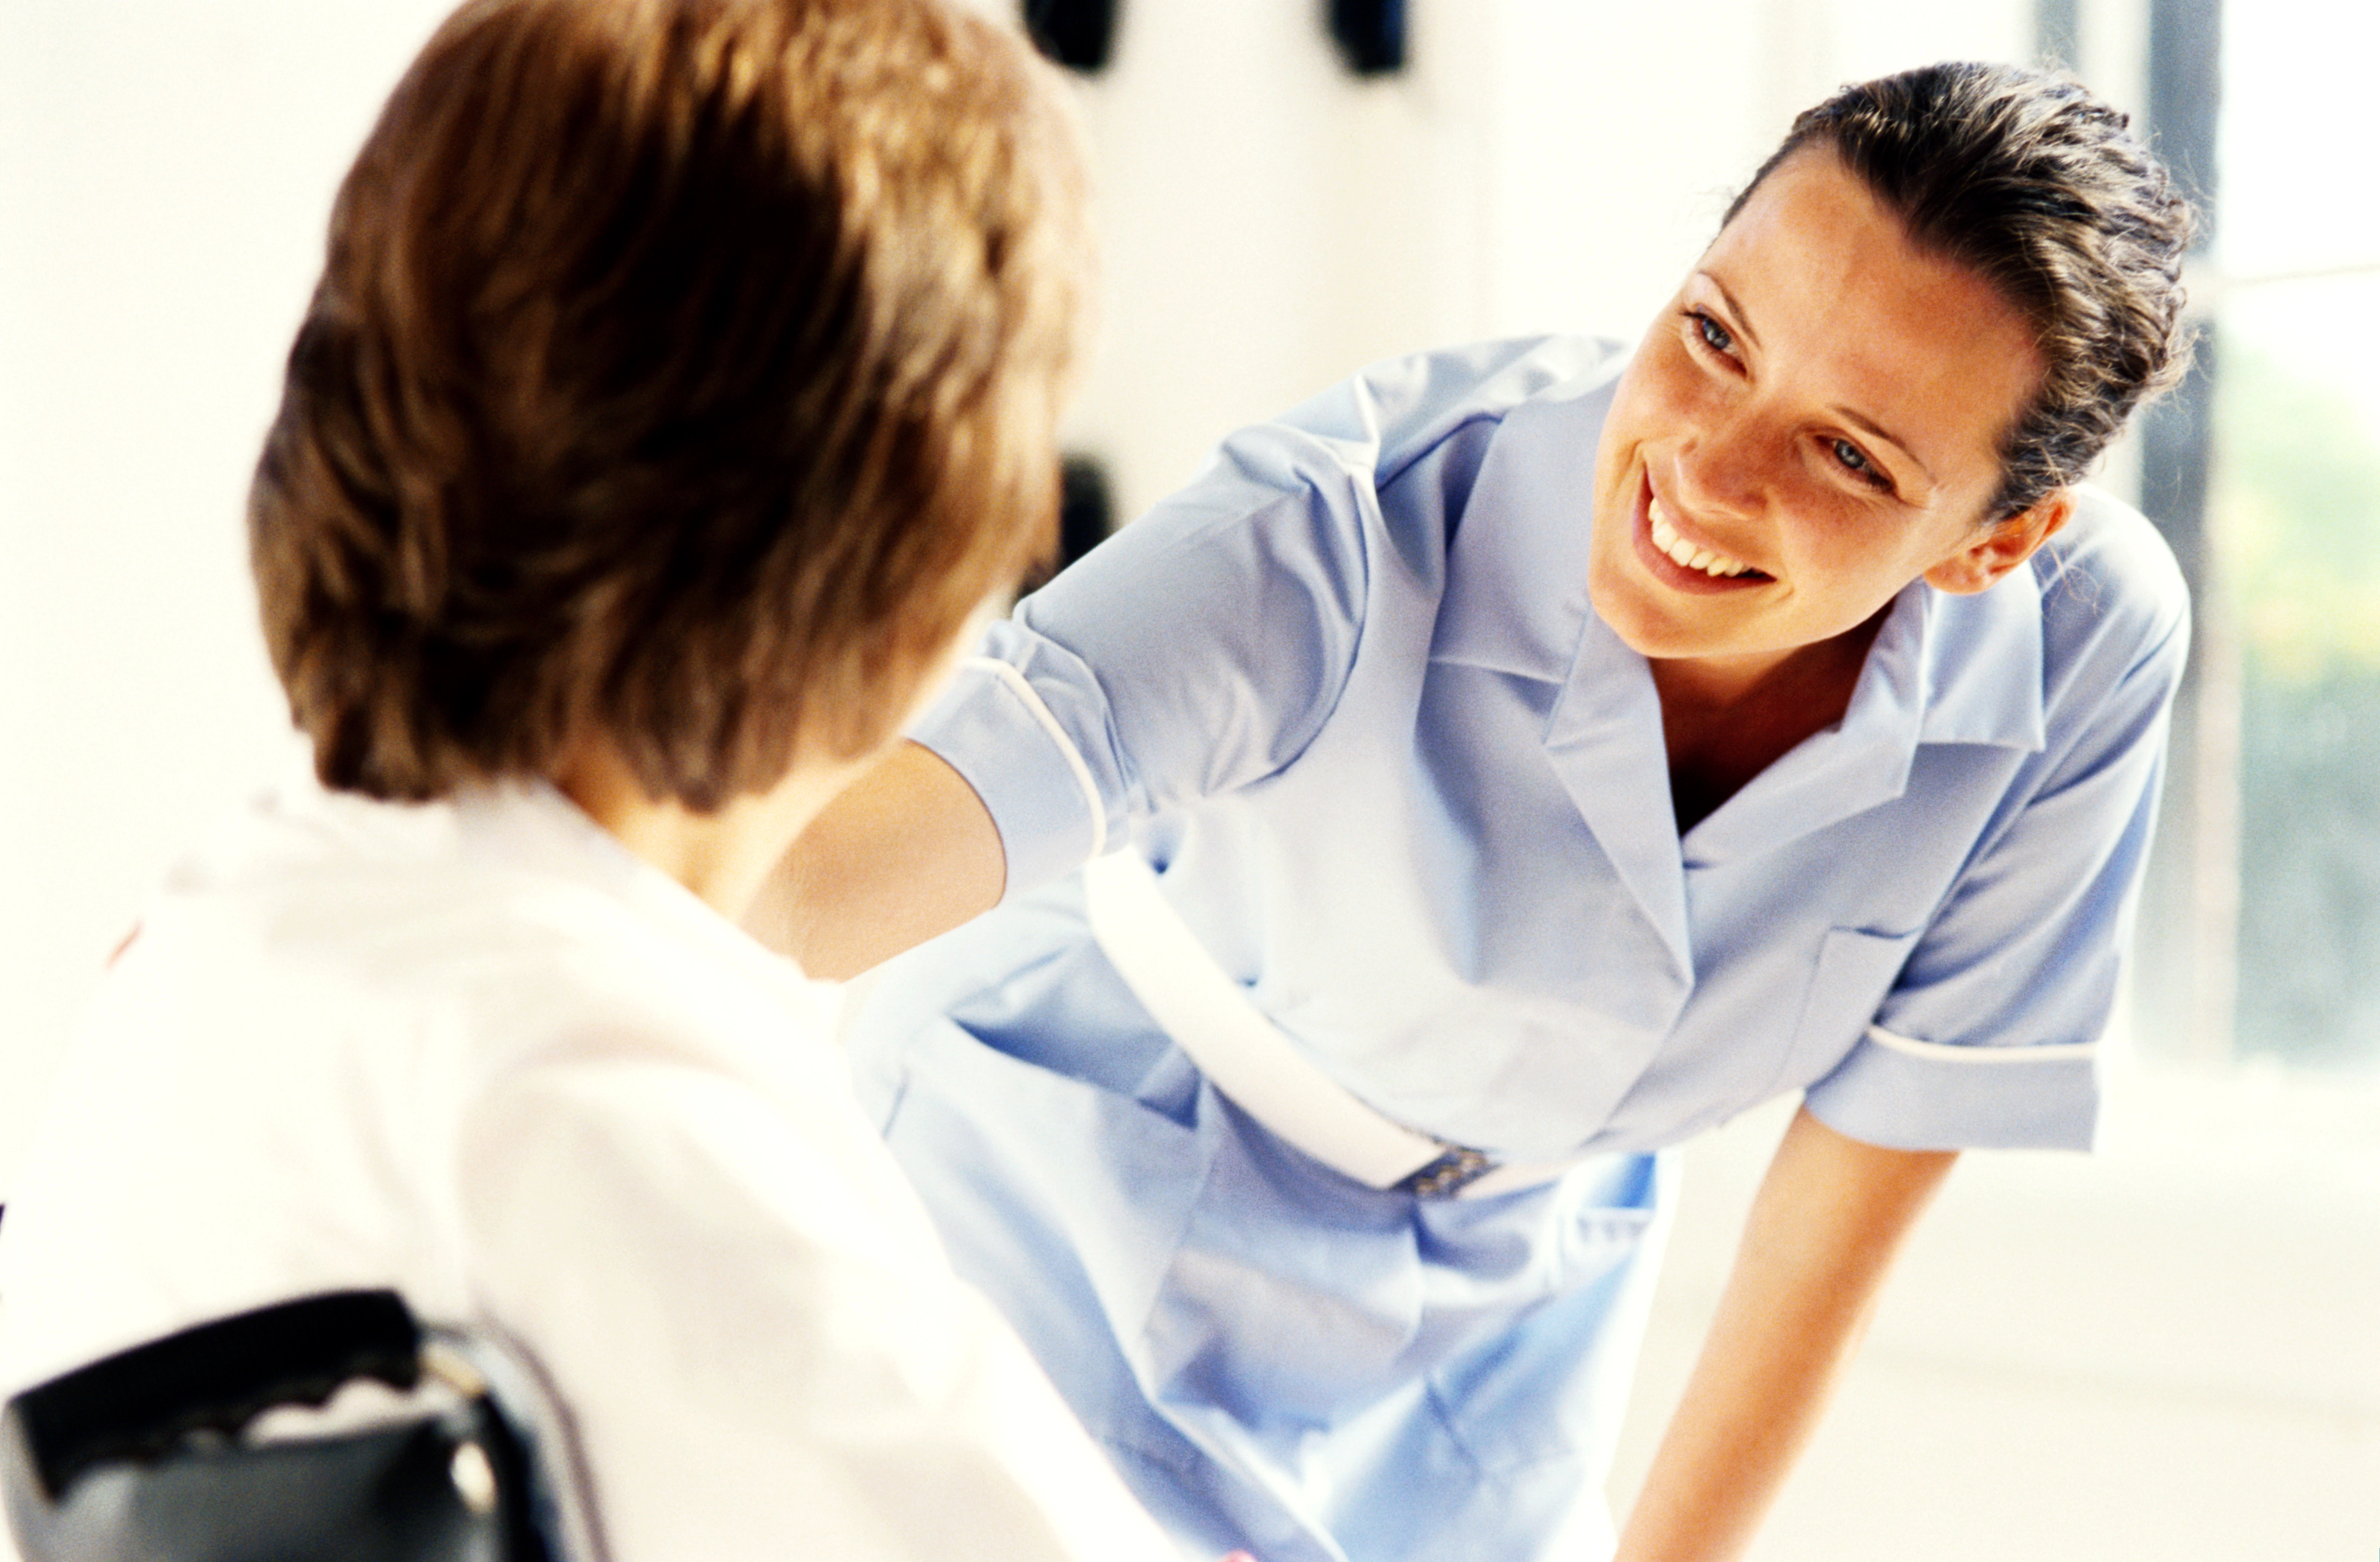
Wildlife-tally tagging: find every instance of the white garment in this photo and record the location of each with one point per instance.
(478, 1052)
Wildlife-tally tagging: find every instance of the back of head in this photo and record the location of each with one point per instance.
(683, 372)
(2041, 189)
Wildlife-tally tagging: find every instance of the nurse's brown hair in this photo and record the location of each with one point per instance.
(2043, 190)
(682, 373)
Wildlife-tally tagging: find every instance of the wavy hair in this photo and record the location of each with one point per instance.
(683, 372)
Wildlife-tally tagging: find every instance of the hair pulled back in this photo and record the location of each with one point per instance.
(2043, 191)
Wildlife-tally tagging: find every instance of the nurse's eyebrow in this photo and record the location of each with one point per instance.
(1742, 321)
(1888, 437)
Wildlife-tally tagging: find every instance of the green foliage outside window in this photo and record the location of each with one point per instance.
(2298, 509)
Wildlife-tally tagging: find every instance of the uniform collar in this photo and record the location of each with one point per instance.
(1943, 670)
(1983, 662)
(1515, 591)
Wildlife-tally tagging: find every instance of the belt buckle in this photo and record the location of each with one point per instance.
(1449, 1173)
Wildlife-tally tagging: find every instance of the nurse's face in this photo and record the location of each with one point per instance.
(1809, 426)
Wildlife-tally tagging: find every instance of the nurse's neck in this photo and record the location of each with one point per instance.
(724, 856)
(1726, 719)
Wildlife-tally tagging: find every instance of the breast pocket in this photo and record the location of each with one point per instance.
(1855, 968)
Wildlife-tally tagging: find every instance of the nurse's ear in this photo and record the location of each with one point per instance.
(2000, 549)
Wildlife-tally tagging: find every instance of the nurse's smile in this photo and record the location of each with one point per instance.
(1666, 537)
(1685, 558)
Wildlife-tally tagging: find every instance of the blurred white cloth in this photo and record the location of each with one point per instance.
(478, 1052)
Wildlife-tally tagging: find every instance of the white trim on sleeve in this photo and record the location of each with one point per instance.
(1937, 1052)
(1023, 688)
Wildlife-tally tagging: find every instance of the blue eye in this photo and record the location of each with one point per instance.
(1715, 336)
(1855, 461)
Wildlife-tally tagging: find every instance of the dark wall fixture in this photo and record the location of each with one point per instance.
(1078, 34)
(1371, 34)
(1086, 516)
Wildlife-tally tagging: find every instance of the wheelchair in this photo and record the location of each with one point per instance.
(333, 1426)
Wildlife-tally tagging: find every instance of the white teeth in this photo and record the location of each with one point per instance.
(1688, 556)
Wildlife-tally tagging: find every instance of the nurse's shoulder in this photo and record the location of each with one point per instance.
(1390, 412)
(2111, 588)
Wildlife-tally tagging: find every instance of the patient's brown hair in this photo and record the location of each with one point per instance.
(682, 373)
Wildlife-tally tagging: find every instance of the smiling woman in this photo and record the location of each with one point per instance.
(1828, 455)
(1505, 765)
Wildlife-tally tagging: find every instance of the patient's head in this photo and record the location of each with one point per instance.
(683, 373)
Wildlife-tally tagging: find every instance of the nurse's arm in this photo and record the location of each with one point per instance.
(1829, 1216)
(906, 852)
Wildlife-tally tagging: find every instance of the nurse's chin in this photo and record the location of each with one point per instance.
(1685, 624)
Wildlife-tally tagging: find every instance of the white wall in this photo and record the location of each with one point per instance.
(165, 170)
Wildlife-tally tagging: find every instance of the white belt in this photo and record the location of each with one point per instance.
(1238, 1047)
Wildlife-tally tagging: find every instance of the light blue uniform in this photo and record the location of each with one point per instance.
(1346, 690)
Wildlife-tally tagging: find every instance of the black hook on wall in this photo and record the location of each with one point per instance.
(1371, 34)
(1078, 34)
(1085, 516)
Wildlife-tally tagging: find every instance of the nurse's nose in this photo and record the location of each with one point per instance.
(1723, 467)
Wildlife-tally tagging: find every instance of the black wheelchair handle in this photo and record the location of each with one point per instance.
(142, 1404)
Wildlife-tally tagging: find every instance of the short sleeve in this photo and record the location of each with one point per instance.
(1990, 1036)
(759, 1346)
(1203, 647)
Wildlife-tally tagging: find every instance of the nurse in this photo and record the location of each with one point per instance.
(1502, 768)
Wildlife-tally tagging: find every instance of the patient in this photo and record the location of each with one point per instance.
(680, 380)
